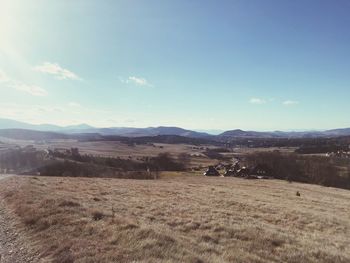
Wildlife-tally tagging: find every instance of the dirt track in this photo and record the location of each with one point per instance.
(13, 247)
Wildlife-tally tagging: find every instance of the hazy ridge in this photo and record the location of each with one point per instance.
(10, 128)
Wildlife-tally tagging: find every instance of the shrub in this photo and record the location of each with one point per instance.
(97, 215)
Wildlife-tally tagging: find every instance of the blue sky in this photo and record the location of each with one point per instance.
(261, 65)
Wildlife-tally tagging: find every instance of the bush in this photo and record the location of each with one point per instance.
(97, 215)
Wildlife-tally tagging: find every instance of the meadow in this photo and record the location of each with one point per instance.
(182, 217)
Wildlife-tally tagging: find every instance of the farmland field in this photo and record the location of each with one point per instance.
(116, 149)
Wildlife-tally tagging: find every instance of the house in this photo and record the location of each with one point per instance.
(230, 172)
(243, 172)
(211, 171)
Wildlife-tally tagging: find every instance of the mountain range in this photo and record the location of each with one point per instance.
(156, 131)
(119, 131)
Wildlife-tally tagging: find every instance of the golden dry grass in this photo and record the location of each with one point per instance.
(180, 219)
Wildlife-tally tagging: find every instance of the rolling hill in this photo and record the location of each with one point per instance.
(163, 130)
(119, 131)
(282, 134)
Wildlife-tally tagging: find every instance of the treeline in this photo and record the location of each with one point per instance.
(216, 153)
(169, 139)
(21, 160)
(321, 143)
(313, 149)
(72, 163)
(307, 169)
(161, 162)
(118, 163)
(69, 168)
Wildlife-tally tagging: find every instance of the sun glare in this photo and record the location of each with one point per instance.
(8, 16)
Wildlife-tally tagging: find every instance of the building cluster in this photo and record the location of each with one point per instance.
(259, 171)
(339, 154)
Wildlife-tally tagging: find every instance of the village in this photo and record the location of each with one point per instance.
(259, 171)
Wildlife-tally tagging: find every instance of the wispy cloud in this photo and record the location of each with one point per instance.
(139, 81)
(57, 71)
(290, 102)
(61, 114)
(21, 86)
(30, 89)
(257, 101)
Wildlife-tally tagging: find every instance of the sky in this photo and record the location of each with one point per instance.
(247, 64)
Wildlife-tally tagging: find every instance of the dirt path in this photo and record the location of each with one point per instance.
(13, 247)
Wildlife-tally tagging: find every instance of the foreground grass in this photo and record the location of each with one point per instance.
(193, 219)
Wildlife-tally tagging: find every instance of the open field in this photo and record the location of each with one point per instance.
(117, 149)
(109, 148)
(179, 219)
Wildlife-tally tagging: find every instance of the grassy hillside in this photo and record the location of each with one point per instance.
(180, 219)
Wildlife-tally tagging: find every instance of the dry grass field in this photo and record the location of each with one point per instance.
(180, 219)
